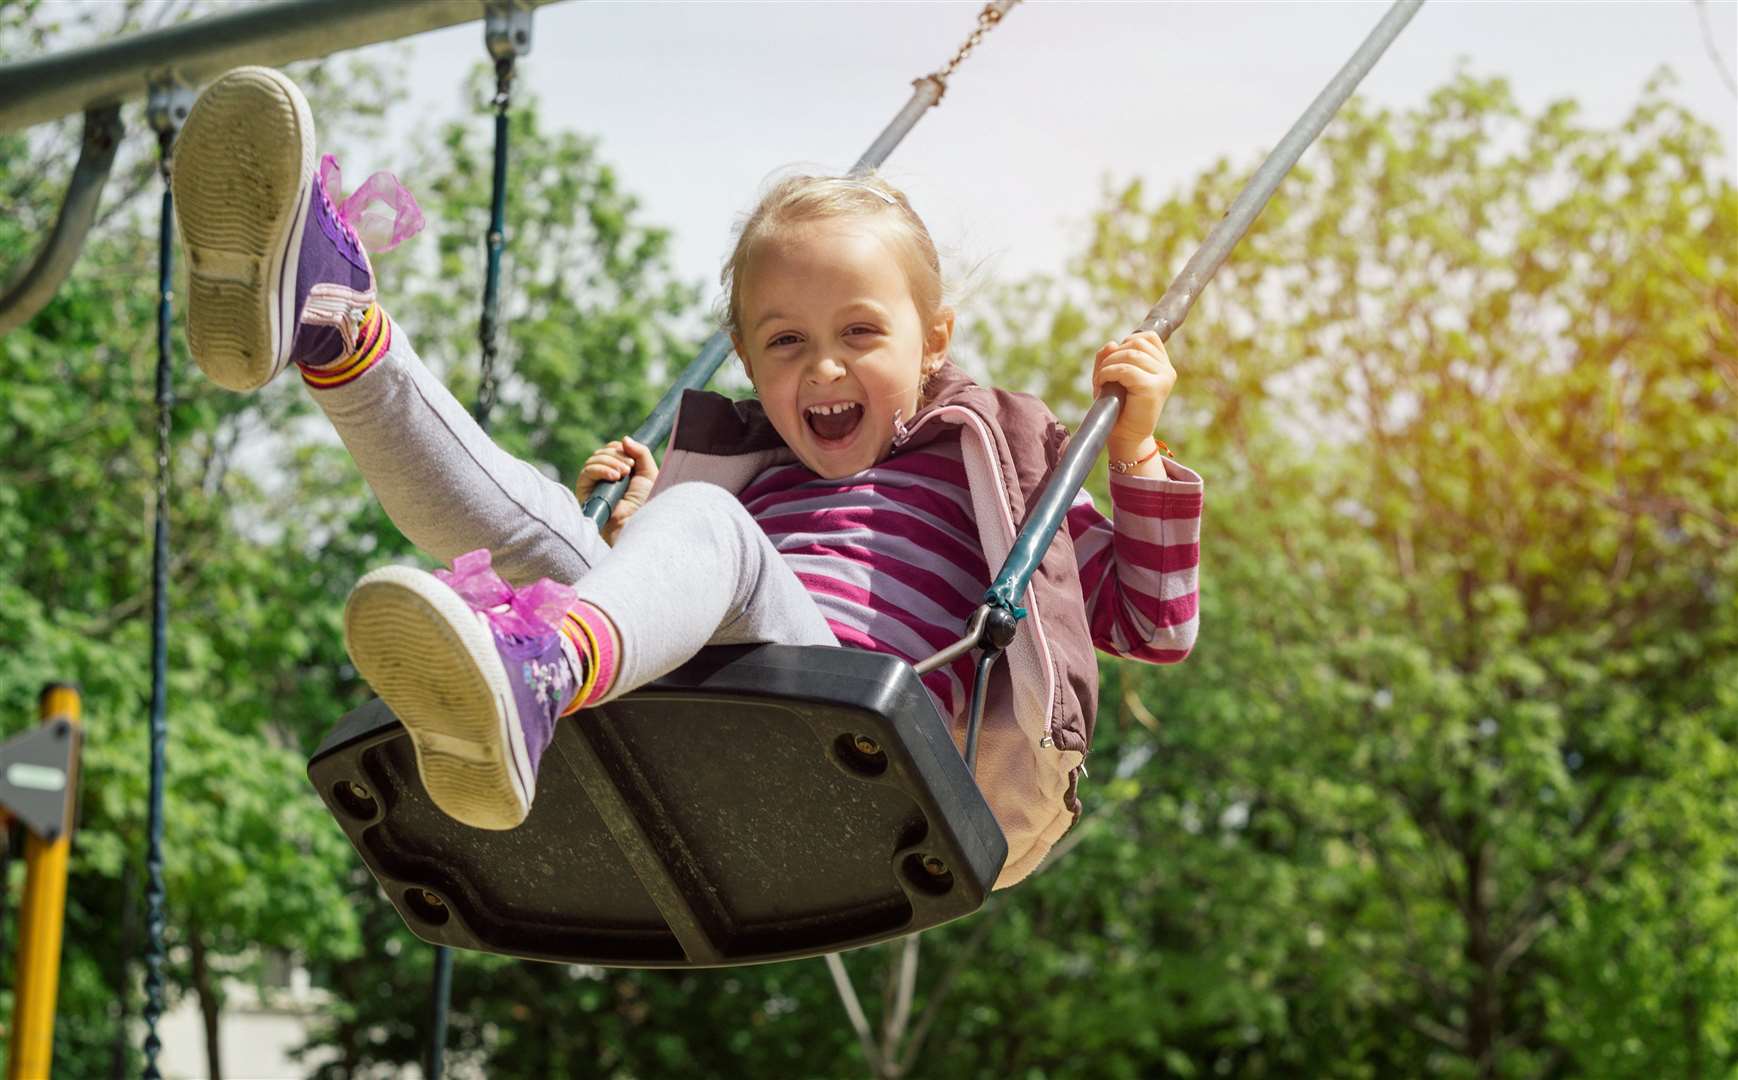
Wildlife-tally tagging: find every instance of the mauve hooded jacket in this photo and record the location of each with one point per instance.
(1043, 698)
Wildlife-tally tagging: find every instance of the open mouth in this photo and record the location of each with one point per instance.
(834, 422)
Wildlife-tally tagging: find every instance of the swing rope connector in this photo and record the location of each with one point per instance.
(988, 19)
(166, 107)
(507, 36)
(506, 30)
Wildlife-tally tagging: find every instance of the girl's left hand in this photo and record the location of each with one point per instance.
(1140, 365)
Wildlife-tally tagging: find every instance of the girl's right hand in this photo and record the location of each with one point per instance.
(614, 460)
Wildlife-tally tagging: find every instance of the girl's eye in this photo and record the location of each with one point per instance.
(863, 330)
(782, 339)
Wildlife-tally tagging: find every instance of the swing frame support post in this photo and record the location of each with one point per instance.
(42, 914)
(1051, 507)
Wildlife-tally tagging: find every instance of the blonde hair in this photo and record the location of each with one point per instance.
(798, 200)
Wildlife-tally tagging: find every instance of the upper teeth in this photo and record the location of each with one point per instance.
(828, 410)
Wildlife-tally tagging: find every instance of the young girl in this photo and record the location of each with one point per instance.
(865, 498)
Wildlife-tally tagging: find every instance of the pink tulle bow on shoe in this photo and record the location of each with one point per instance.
(380, 227)
(533, 612)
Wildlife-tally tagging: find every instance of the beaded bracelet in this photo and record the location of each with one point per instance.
(1158, 448)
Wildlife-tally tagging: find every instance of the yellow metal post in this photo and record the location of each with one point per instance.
(40, 921)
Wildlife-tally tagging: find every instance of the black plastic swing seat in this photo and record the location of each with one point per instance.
(760, 803)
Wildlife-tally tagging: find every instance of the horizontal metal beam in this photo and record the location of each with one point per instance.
(49, 87)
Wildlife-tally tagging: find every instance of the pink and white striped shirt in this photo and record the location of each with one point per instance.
(892, 558)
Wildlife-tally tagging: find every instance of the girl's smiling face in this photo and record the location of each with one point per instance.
(834, 343)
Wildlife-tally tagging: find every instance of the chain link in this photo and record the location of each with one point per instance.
(167, 108)
(488, 382)
(987, 20)
(503, 84)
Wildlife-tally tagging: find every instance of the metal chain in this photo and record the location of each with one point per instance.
(503, 84)
(167, 108)
(488, 382)
(987, 20)
(155, 890)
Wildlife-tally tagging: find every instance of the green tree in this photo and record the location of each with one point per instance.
(1446, 788)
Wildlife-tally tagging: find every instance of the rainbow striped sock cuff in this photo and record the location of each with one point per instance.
(594, 637)
(373, 338)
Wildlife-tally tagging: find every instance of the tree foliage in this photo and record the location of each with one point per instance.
(1446, 788)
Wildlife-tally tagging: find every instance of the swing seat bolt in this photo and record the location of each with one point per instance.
(934, 866)
(866, 746)
(355, 800)
(432, 900)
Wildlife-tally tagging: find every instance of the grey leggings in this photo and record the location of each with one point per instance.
(691, 568)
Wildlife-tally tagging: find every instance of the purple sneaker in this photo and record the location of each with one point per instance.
(275, 273)
(477, 675)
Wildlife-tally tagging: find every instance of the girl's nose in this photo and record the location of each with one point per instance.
(826, 370)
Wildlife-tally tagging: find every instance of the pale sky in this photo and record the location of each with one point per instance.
(696, 104)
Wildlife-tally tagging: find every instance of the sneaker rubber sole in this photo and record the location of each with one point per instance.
(242, 172)
(433, 661)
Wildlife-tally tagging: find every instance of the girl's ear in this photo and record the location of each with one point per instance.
(742, 355)
(936, 341)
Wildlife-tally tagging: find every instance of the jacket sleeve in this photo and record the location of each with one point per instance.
(1139, 575)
